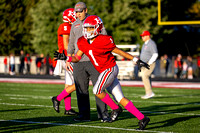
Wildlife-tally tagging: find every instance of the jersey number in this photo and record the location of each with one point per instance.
(65, 28)
(91, 54)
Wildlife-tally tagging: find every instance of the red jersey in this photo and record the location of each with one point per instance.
(5, 61)
(99, 51)
(198, 61)
(54, 62)
(177, 64)
(64, 29)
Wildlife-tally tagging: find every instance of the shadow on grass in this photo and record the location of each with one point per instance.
(170, 122)
(175, 96)
(161, 110)
(178, 108)
(28, 124)
(12, 110)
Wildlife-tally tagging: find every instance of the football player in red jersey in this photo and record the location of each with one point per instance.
(99, 49)
(69, 17)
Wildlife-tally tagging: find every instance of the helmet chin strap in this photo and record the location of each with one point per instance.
(90, 34)
(90, 40)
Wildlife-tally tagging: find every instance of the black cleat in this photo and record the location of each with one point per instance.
(115, 113)
(70, 112)
(143, 123)
(107, 119)
(81, 119)
(56, 104)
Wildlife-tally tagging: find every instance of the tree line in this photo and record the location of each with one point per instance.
(32, 25)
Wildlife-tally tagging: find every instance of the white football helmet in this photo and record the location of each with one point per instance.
(95, 22)
(69, 15)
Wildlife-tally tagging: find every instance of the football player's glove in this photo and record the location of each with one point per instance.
(60, 56)
(141, 64)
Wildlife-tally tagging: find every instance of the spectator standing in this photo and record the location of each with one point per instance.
(5, 61)
(190, 67)
(166, 62)
(42, 63)
(47, 63)
(198, 65)
(84, 70)
(38, 62)
(28, 63)
(178, 66)
(184, 70)
(12, 64)
(53, 65)
(21, 60)
(162, 66)
(149, 54)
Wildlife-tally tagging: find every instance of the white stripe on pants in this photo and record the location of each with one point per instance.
(108, 80)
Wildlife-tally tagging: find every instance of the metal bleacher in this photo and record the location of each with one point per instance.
(126, 67)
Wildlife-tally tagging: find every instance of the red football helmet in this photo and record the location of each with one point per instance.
(95, 22)
(69, 15)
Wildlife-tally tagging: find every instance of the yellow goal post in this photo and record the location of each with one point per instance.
(172, 22)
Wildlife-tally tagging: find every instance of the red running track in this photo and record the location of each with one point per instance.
(155, 84)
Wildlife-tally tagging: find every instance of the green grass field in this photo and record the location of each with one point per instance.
(28, 108)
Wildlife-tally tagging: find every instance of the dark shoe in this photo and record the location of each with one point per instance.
(107, 119)
(115, 113)
(70, 112)
(81, 119)
(143, 123)
(56, 104)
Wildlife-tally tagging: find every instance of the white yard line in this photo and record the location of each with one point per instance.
(187, 114)
(86, 126)
(16, 98)
(160, 102)
(25, 97)
(30, 96)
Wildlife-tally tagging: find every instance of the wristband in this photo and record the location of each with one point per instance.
(78, 57)
(135, 59)
(69, 58)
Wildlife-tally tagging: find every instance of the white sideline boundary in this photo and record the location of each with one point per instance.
(158, 84)
(87, 126)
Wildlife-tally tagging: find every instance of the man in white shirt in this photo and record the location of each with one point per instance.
(149, 54)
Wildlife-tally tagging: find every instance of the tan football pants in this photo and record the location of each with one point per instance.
(146, 77)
